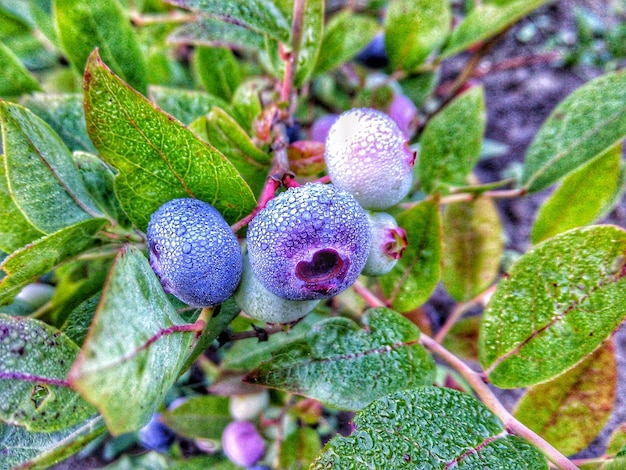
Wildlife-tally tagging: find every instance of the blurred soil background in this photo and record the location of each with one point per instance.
(529, 71)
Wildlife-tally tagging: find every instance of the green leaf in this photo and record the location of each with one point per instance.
(144, 356)
(473, 246)
(184, 105)
(581, 399)
(559, 302)
(218, 70)
(585, 124)
(312, 34)
(299, 449)
(15, 79)
(215, 326)
(582, 196)
(339, 363)
(414, 278)
(229, 138)
(413, 30)
(462, 339)
(200, 417)
(419, 87)
(158, 159)
(344, 36)
(451, 142)
(23, 449)
(213, 32)
(34, 361)
(617, 440)
(99, 180)
(27, 264)
(43, 179)
(428, 427)
(246, 102)
(485, 21)
(78, 321)
(15, 230)
(65, 115)
(89, 24)
(247, 354)
(258, 15)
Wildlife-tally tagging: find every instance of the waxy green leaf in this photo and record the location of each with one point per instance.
(28, 263)
(145, 356)
(218, 70)
(299, 449)
(15, 230)
(99, 180)
(203, 417)
(451, 142)
(581, 399)
(158, 159)
(473, 246)
(428, 427)
(462, 339)
(261, 16)
(415, 276)
(15, 79)
(229, 138)
(184, 105)
(344, 36)
(485, 21)
(585, 124)
(65, 115)
(582, 196)
(559, 302)
(213, 32)
(413, 30)
(42, 177)
(21, 449)
(617, 440)
(339, 363)
(34, 361)
(89, 24)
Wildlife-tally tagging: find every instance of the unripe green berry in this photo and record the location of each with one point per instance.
(368, 155)
(261, 304)
(388, 244)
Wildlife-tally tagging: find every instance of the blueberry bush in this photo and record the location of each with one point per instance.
(220, 222)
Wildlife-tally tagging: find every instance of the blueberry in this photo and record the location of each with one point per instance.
(388, 244)
(155, 435)
(261, 304)
(374, 55)
(194, 252)
(404, 112)
(368, 155)
(242, 444)
(310, 242)
(321, 126)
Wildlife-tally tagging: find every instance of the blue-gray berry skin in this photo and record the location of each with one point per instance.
(194, 252)
(310, 242)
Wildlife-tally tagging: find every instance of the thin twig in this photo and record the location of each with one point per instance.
(292, 58)
(460, 309)
(511, 424)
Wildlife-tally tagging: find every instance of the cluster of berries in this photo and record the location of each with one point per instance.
(308, 243)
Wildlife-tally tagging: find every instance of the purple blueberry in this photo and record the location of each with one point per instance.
(242, 444)
(194, 252)
(310, 242)
(321, 126)
(404, 113)
(155, 435)
(368, 155)
(374, 55)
